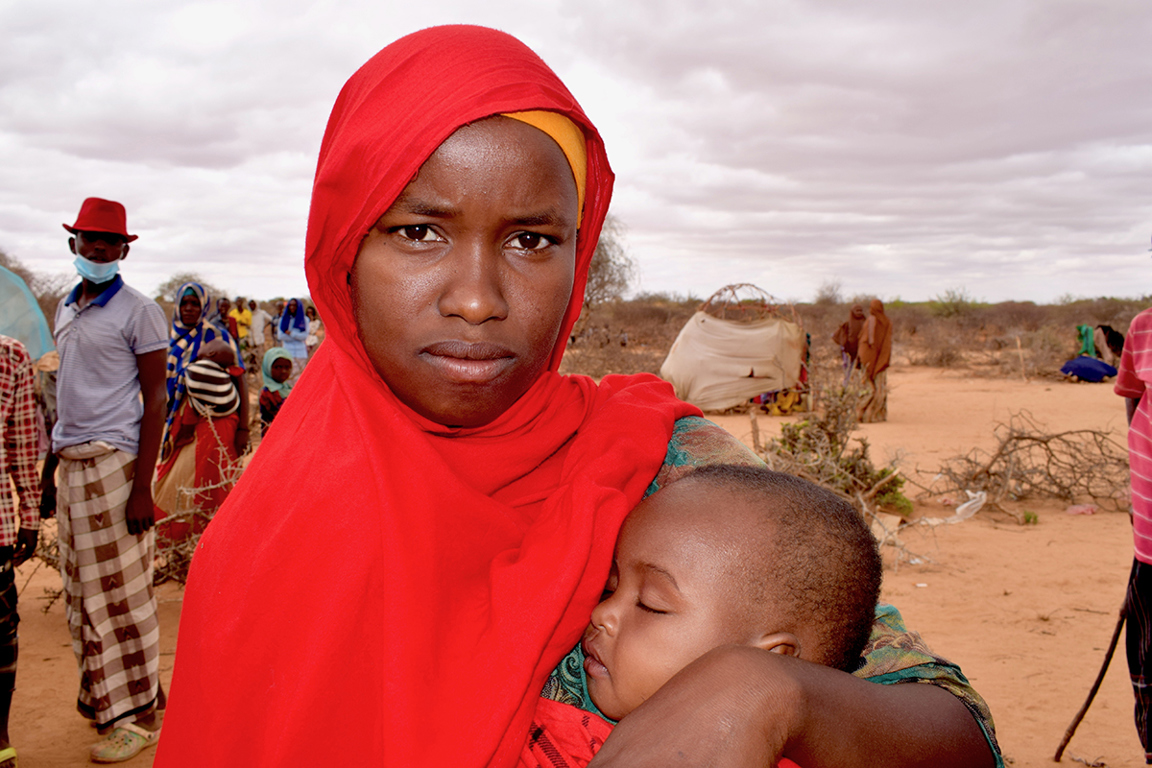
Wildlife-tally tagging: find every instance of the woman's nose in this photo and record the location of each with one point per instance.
(474, 289)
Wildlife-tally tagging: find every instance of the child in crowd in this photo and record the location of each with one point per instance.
(277, 367)
(728, 555)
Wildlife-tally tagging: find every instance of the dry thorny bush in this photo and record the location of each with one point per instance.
(822, 449)
(1029, 462)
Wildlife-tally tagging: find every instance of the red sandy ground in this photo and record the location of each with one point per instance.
(1026, 610)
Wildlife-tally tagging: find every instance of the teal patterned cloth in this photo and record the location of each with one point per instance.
(893, 654)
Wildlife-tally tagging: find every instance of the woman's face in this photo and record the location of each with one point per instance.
(281, 369)
(310, 313)
(460, 288)
(292, 305)
(189, 310)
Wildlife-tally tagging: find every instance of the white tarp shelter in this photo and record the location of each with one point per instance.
(716, 364)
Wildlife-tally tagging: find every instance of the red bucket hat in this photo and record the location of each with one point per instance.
(99, 215)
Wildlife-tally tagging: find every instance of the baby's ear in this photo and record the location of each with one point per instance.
(779, 642)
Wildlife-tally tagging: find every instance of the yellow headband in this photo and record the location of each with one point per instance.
(570, 139)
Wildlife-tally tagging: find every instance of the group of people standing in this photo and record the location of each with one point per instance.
(207, 428)
(151, 419)
(866, 345)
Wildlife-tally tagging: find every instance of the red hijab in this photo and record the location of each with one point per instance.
(380, 589)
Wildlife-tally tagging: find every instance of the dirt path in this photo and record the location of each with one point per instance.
(1026, 610)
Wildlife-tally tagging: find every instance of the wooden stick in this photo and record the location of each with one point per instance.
(876, 488)
(1095, 686)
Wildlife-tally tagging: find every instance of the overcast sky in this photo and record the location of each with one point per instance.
(901, 148)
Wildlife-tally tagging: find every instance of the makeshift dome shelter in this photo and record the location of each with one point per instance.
(21, 317)
(741, 343)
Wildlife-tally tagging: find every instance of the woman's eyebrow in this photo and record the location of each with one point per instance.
(426, 208)
(545, 219)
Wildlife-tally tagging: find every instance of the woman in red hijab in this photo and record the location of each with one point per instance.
(419, 543)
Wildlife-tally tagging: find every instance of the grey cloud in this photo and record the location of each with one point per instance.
(902, 147)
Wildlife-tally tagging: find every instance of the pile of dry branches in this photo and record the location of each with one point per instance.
(821, 449)
(1076, 465)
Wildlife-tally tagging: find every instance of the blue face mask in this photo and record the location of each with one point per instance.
(94, 271)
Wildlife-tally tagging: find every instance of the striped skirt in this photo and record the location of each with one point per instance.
(107, 575)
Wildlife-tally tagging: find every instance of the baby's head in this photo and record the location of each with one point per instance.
(730, 555)
(219, 352)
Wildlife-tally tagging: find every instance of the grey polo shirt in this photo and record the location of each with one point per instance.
(98, 386)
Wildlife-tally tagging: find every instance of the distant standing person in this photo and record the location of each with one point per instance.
(191, 328)
(875, 354)
(242, 316)
(292, 334)
(20, 522)
(315, 331)
(260, 321)
(221, 315)
(848, 337)
(111, 401)
(1132, 383)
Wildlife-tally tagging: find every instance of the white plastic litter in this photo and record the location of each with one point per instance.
(972, 506)
(963, 512)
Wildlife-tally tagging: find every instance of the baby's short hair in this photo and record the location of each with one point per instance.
(823, 566)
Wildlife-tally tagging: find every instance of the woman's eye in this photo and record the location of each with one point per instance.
(417, 232)
(531, 241)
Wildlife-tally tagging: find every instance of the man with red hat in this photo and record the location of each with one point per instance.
(110, 393)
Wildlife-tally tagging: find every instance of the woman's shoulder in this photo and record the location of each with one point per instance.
(697, 442)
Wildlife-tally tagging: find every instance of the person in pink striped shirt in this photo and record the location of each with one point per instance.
(1132, 382)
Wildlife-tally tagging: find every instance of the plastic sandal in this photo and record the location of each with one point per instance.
(125, 742)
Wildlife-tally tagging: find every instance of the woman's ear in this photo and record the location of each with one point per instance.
(785, 643)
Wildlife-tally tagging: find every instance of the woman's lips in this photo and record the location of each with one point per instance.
(467, 362)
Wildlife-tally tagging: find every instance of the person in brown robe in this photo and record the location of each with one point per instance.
(848, 337)
(875, 347)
